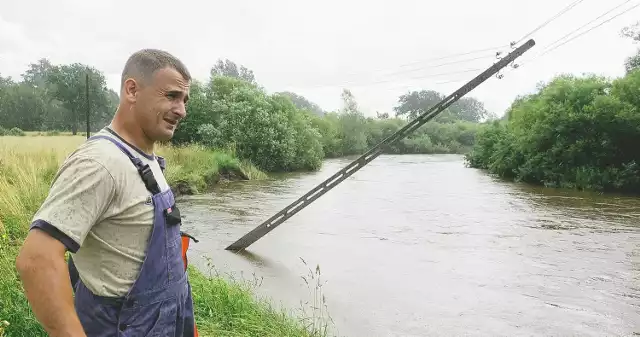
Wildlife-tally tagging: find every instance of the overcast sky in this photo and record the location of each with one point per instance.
(378, 49)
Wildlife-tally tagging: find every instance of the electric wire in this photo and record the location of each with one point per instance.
(553, 46)
(592, 28)
(403, 79)
(564, 10)
(398, 72)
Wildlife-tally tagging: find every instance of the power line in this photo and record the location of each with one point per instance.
(443, 64)
(407, 86)
(564, 10)
(455, 55)
(548, 49)
(592, 28)
(394, 73)
(557, 15)
(577, 29)
(428, 61)
(409, 78)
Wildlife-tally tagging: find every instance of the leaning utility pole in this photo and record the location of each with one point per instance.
(86, 84)
(371, 154)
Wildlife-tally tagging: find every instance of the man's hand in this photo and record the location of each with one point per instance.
(45, 278)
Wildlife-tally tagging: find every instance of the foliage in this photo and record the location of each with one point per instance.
(417, 102)
(228, 68)
(576, 132)
(53, 97)
(227, 306)
(632, 62)
(266, 129)
(194, 169)
(302, 103)
(351, 134)
(276, 135)
(229, 111)
(15, 132)
(632, 32)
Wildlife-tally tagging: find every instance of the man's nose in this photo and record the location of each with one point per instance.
(180, 110)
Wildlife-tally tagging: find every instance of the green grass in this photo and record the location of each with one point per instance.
(198, 168)
(224, 306)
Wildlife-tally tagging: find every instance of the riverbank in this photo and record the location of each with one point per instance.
(574, 132)
(223, 307)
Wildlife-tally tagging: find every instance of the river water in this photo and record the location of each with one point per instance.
(420, 245)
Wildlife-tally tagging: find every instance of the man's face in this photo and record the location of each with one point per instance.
(160, 105)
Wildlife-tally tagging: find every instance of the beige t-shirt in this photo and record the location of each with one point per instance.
(100, 202)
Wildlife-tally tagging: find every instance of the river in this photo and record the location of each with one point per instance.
(420, 245)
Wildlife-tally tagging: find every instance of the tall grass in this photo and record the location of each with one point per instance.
(27, 166)
(223, 307)
(194, 167)
(227, 306)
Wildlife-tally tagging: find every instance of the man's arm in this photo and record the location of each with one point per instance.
(45, 278)
(80, 195)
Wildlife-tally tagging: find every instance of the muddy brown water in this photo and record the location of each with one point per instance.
(420, 245)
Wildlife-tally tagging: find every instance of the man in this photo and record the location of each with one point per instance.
(111, 207)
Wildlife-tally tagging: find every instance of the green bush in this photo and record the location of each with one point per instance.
(575, 132)
(351, 134)
(16, 132)
(267, 130)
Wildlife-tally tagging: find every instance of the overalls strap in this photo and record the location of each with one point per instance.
(143, 169)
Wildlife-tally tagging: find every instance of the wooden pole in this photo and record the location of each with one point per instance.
(88, 103)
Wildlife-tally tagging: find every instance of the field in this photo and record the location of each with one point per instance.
(224, 307)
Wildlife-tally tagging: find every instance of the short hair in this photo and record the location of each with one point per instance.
(144, 63)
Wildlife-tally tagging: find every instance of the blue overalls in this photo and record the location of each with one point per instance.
(159, 303)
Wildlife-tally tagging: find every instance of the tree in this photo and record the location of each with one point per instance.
(267, 130)
(632, 32)
(384, 115)
(22, 106)
(6, 81)
(469, 109)
(353, 133)
(576, 132)
(70, 81)
(38, 73)
(349, 102)
(302, 103)
(416, 102)
(230, 69)
(632, 63)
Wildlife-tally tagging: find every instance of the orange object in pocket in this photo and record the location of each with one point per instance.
(186, 240)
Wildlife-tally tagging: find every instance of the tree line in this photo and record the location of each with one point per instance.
(282, 131)
(53, 97)
(575, 132)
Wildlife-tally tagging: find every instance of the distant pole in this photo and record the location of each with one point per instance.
(88, 106)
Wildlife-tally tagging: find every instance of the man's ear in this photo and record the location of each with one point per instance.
(131, 89)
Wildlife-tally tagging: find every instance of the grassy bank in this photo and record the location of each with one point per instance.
(27, 166)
